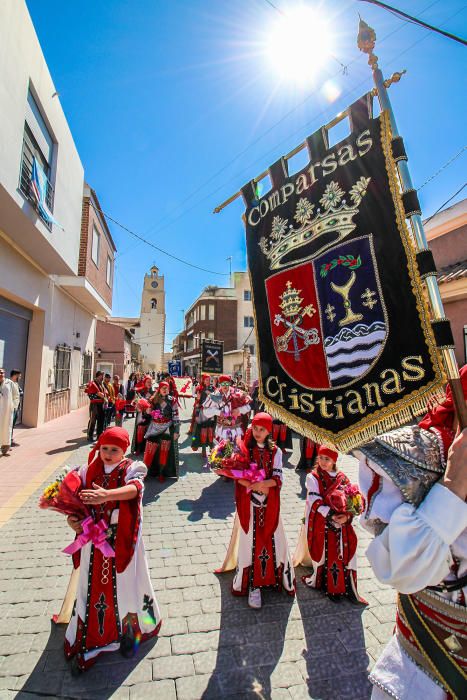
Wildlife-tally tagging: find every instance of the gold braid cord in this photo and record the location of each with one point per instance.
(410, 406)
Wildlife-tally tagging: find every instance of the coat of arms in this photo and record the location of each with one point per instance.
(327, 314)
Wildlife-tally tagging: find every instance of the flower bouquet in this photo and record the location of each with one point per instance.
(234, 462)
(223, 450)
(142, 405)
(347, 501)
(62, 495)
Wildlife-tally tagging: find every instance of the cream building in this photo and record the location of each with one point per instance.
(47, 310)
(150, 334)
(149, 329)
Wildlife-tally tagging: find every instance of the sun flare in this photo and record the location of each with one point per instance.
(299, 43)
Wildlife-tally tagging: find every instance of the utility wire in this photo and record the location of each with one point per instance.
(414, 20)
(345, 68)
(445, 203)
(273, 150)
(161, 250)
(443, 167)
(265, 133)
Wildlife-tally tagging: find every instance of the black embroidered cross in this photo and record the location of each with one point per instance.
(288, 574)
(148, 604)
(334, 573)
(264, 558)
(101, 607)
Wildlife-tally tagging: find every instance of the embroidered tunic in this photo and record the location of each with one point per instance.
(258, 546)
(161, 454)
(330, 549)
(115, 597)
(221, 405)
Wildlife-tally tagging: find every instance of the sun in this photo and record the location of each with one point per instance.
(299, 43)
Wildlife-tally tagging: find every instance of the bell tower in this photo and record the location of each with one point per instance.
(151, 333)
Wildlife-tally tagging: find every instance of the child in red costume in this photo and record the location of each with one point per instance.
(115, 603)
(258, 547)
(327, 540)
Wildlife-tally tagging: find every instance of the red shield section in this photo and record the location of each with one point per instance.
(296, 326)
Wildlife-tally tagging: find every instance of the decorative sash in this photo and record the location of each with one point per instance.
(432, 631)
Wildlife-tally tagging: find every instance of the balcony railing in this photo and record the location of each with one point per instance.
(25, 182)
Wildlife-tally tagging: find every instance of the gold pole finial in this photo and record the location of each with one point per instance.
(366, 41)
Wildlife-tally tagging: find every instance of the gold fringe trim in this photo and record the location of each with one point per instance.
(356, 436)
(411, 405)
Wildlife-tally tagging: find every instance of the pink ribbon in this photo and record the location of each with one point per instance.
(92, 532)
(253, 475)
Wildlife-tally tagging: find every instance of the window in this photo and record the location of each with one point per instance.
(251, 348)
(86, 368)
(248, 322)
(211, 312)
(153, 303)
(203, 312)
(247, 295)
(211, 335)
(38, 144)
(62, 361)
(108, 274)
(95, 246)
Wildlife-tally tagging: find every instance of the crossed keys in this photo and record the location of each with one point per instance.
(294, 331)
(212, 355)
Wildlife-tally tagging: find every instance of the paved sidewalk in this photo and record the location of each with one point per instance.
(39, 452)
(211, 644)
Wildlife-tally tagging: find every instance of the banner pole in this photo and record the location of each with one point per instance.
(366, 41)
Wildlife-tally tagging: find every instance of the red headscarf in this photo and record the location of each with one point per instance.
(328, 452)
(441, 418)
(112, 436)
(264, 420)
(225, 378)
(164, 383)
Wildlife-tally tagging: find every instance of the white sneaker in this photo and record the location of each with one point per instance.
(254, 598)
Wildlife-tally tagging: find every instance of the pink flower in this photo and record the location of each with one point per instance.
(351, 490)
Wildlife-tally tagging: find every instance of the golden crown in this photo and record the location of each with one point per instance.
(329, 225)
(291, 300)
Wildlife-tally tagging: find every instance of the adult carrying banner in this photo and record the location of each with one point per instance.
(345, 346)
(212, 356)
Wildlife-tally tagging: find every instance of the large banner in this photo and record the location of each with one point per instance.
(345, 347)
(175, 368)
(212, 356)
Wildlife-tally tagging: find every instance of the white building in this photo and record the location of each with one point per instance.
(47, 311)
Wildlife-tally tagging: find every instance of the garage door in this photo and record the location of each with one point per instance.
(14, 328)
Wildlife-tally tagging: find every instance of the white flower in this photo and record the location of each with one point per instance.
(332, 196)
(278, 228)
(263, 244)
(304, 211)
(359, 190)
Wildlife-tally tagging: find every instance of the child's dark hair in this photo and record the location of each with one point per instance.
(269, 442)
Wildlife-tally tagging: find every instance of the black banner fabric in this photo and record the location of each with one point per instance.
(345, 347)
(212, 356)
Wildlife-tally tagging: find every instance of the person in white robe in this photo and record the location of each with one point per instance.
(418, 514)
(6, 412)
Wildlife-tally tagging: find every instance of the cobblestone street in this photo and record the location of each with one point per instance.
(211, 645)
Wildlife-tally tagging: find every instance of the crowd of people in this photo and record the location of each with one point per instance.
(412, 491)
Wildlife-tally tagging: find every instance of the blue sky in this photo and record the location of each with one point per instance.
(174, 105)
